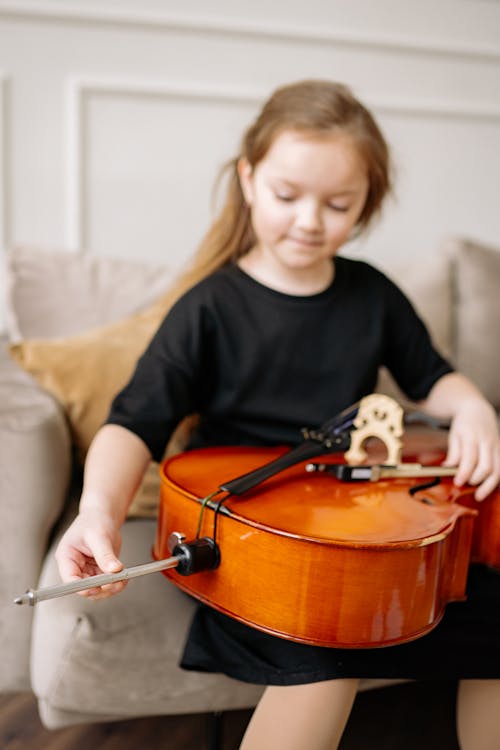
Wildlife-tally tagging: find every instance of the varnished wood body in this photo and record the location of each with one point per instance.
(428, 447)
(315, 560)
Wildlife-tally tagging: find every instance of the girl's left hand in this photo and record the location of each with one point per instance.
(474, 447)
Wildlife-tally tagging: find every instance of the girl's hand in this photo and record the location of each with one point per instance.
(89, 547)
(474, 447)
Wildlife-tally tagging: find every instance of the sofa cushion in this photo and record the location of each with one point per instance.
(132, 641)
(430, 291)
(476, 275)
(57, 293)
(429, 287)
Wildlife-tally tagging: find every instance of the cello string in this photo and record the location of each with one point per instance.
(216, 516)
(204, 504)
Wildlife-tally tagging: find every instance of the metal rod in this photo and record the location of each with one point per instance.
(375, 472)
(412, 471)
(32, 596)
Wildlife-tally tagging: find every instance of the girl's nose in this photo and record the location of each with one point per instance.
(309, 216)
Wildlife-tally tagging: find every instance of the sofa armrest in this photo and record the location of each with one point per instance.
(35, 465)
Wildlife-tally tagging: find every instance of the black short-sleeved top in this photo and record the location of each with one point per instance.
(258, 365)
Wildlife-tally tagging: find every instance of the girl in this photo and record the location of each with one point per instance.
(275, 331)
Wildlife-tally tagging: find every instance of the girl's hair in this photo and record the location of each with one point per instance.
(312, 106)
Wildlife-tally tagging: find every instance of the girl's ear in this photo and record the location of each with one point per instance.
(245, 173)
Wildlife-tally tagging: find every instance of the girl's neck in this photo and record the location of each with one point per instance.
(301, 282)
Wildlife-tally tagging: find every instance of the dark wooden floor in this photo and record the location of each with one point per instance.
(410, 716)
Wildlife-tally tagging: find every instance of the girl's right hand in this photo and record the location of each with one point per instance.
(90, 546)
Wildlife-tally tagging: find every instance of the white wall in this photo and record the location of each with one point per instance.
(115, 115)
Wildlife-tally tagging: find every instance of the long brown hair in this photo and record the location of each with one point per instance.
(314, 106)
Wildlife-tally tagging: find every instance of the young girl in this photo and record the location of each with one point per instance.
(275, 331)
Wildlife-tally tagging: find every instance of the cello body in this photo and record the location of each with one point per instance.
(316, 560)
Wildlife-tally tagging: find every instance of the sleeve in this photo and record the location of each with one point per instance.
(409, 353)
(166, 383)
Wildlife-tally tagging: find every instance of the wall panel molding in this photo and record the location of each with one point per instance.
(5, 149)
(80, 90)
(75, 164)
(93, 15)
(459, 109)
(78, 93)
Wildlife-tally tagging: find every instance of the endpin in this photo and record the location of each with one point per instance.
(187, 557)
(33, 596)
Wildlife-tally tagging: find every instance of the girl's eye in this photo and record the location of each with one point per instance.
(284, 197)
(336, 207)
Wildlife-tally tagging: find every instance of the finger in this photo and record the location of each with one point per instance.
(71, 564)
(486, 488)
(110, 589)
(103, 592)
(93, 593)
(485, 466)
(454, 450)
(491, 482)
(466, 464)
(104, 554)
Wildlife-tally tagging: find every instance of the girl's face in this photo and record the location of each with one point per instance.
(305, 196)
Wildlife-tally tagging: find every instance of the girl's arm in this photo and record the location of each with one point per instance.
(474, 441)
(114, 468)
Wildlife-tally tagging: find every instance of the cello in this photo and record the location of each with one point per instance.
(309, 556)
(306, 552)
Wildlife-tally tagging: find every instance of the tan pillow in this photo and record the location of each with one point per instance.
(85, 372)
(476, 270)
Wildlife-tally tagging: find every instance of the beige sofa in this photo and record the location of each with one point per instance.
(75, 327)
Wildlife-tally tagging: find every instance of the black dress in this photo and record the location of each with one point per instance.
(258, 365)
